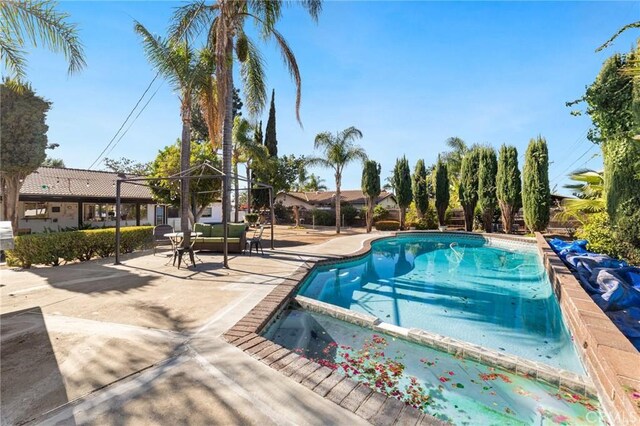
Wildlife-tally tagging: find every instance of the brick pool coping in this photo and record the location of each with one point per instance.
(611, 360)
(603, 348)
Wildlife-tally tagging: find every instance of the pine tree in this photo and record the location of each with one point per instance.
(402, 184)
(270, 140)
(487, 199)
(468, 189)
(370, 187)
(420, 194)
(509, 186)
(536, 197)
(441, 184)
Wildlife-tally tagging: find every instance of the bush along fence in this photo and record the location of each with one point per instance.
(52, 248)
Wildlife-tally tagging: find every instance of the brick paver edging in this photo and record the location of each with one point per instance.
(611, 360)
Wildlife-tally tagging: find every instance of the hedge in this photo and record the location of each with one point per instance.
(387, 225)
(51, 248)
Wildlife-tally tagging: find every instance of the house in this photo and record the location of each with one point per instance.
(54, 198)
(326, 199)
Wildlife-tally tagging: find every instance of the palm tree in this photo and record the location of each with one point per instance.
(177, 62)
(37, 22)
(338, 151)
(226, 39)
(589, 191)
(314, 183)
(245, 150)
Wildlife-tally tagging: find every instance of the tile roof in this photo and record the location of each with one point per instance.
(75, 183)
(352, 196)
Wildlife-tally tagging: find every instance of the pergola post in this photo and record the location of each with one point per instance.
(118, 183)
(273, 216)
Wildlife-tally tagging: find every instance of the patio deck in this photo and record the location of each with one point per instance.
(94, 343)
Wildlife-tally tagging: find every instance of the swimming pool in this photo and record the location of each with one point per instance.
(458, 390)
(486, 291)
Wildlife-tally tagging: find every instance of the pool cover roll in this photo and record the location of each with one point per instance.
(611, 283)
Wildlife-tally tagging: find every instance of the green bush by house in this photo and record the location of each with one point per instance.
(387, 225)
(52, 248)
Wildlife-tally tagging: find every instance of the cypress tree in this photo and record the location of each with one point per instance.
(370, 187)
(442, 189)
(270, 140)
(487, 199)
(420, 194)
(402, 183)
(509, 186)
(536, 197)
(468, 188)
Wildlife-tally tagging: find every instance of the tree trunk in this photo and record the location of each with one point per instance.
(338, 221)
(369, 214)
(468, 217)
(487, 219)
(227, 127)
(248, 187)
(236, 187)
(11, 193)
(185, 154)
(507, 214)
(403, 212)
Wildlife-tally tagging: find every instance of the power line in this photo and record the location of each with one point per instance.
(574, 162)
(131, 125)
(125, 120)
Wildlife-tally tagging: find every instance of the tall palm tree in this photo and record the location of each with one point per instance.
(245, 150)
(314, 183)
(36, 22)
(226, 39)
(337, 152)
(177, 62)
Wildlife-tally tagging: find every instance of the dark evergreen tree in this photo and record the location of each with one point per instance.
(487, 198)
(270, 139)
(509, 186)
(402, 186)
(468, 188)
(420, 188)
(536, 196)
(236, 110)
(370, 187)
(441, 184)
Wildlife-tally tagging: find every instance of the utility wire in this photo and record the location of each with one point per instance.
(125, 121)
(574, 162)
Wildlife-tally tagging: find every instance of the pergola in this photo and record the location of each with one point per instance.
(213, 173)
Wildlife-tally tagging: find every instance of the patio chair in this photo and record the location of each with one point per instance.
(256, 240)
(159, 239)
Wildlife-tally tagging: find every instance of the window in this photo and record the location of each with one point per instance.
(206, 212)
(35, 210)
(107, 212)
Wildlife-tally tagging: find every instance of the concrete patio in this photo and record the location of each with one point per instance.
(94, 343)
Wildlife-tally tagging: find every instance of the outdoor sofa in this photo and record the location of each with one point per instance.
(212, 237)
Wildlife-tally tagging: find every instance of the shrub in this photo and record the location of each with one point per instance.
(441, 183)
(380, 213)
(628, 231)
(598, 231)
(387, 225)
(324, 217)
(349, 213)
(251, 218)
(49, 248)
(283, 214)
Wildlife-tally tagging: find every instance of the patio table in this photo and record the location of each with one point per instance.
(176, 238)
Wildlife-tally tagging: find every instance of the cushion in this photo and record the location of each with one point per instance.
(236, 230)
(217, 230)
(204, 228)
(218, 240)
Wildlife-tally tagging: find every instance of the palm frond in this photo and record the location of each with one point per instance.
(350, 134)
(266, 13)
(38, 22)
(292, 65)
(323, 141)
(254, 81)
(314, 7)
(319, 162)
(13, 58)
(189, 20)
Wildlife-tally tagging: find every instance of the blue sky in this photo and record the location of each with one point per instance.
(408, 74)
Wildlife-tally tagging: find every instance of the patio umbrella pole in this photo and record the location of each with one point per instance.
(118, 182)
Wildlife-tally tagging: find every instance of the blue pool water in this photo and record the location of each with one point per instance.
(497, 296)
